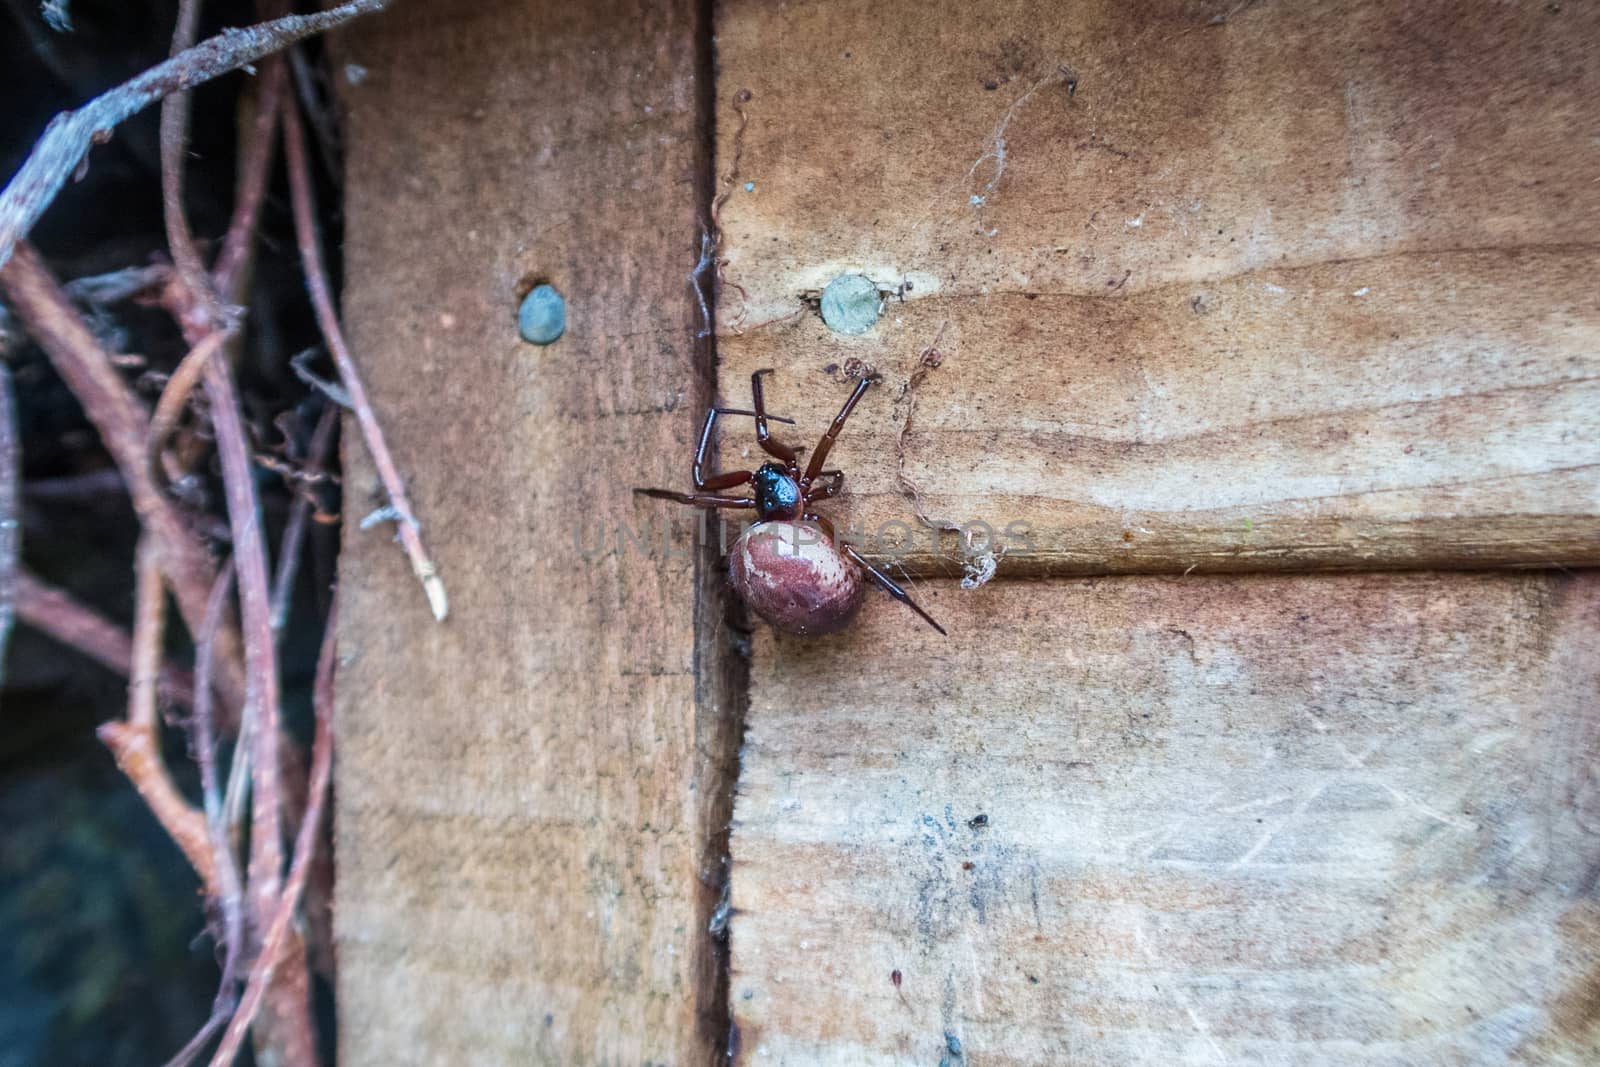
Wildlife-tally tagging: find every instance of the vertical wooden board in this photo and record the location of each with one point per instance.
(1272, 820)
(1223, 285)
(527, 793)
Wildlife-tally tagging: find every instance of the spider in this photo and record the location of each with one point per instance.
(790, 567)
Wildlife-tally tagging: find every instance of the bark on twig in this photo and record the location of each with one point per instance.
(175, 394)
(87, 370)
(53, 613)
(290, 1029)
(255, 611)
(230, 902)
(70, 135)
(86, 486)
(10, 530)
(227, 273)
(286, 1026)
(305, 843)
(136, 742)
(328, 320)
(174, 139)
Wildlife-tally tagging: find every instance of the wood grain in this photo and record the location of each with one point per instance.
(532, 796)
(1216, 285)
(1309, 820)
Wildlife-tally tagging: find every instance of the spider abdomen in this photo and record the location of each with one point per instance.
(792, 575)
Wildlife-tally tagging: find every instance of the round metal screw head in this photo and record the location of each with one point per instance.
(851, 304)
(543, 316)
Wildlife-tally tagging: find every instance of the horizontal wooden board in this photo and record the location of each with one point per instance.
(1216, 286)
(1266, 820)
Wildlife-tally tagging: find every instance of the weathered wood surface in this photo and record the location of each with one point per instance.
(1221, 285)
(530, 795)
(1275, 820)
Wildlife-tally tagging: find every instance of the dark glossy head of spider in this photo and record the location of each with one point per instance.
(790, 567)
(778, 494)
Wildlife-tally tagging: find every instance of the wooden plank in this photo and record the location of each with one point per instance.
(1313, 820)
(1216, 285)
(530, 795)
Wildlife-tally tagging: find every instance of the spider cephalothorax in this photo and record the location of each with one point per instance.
(778, 495)
(789, 567)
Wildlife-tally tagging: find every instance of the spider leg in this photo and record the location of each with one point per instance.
(716, 481)
(814, 468)
(820, 491)
(699, 500)
(774, 448)
(882, 581)
(743, 411)
(731, 478)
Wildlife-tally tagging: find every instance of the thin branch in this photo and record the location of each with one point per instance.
(85, 486)
(305, 216)
(174, 140)
(261, 670)
(332, 390)
(236, 794)
(52, 612)
(97, 293)
(87, 369)
(295, 530)
(199, 315)
(103, 290)
(230, 903)
(287, 1025)
(70, 135)
(255, 168)
(228, 277)
(304, 846)
(136, 742)
(323, 121)
(10, 529)
(76, 487)
(205, 743)
(214, 1022)
(175, 394)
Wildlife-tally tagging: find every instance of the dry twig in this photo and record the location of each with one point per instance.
(87, 370)
(103, 482)
(260, 655)
(287, 1027)
(305, 224)
(256, 912)
(10, 476)
(70, 135)
(305, 842)
(186, 259)
(136, 742)
(291, 1027)
(51, 611)
(227, 273)
(175, 394)
(230, 902)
